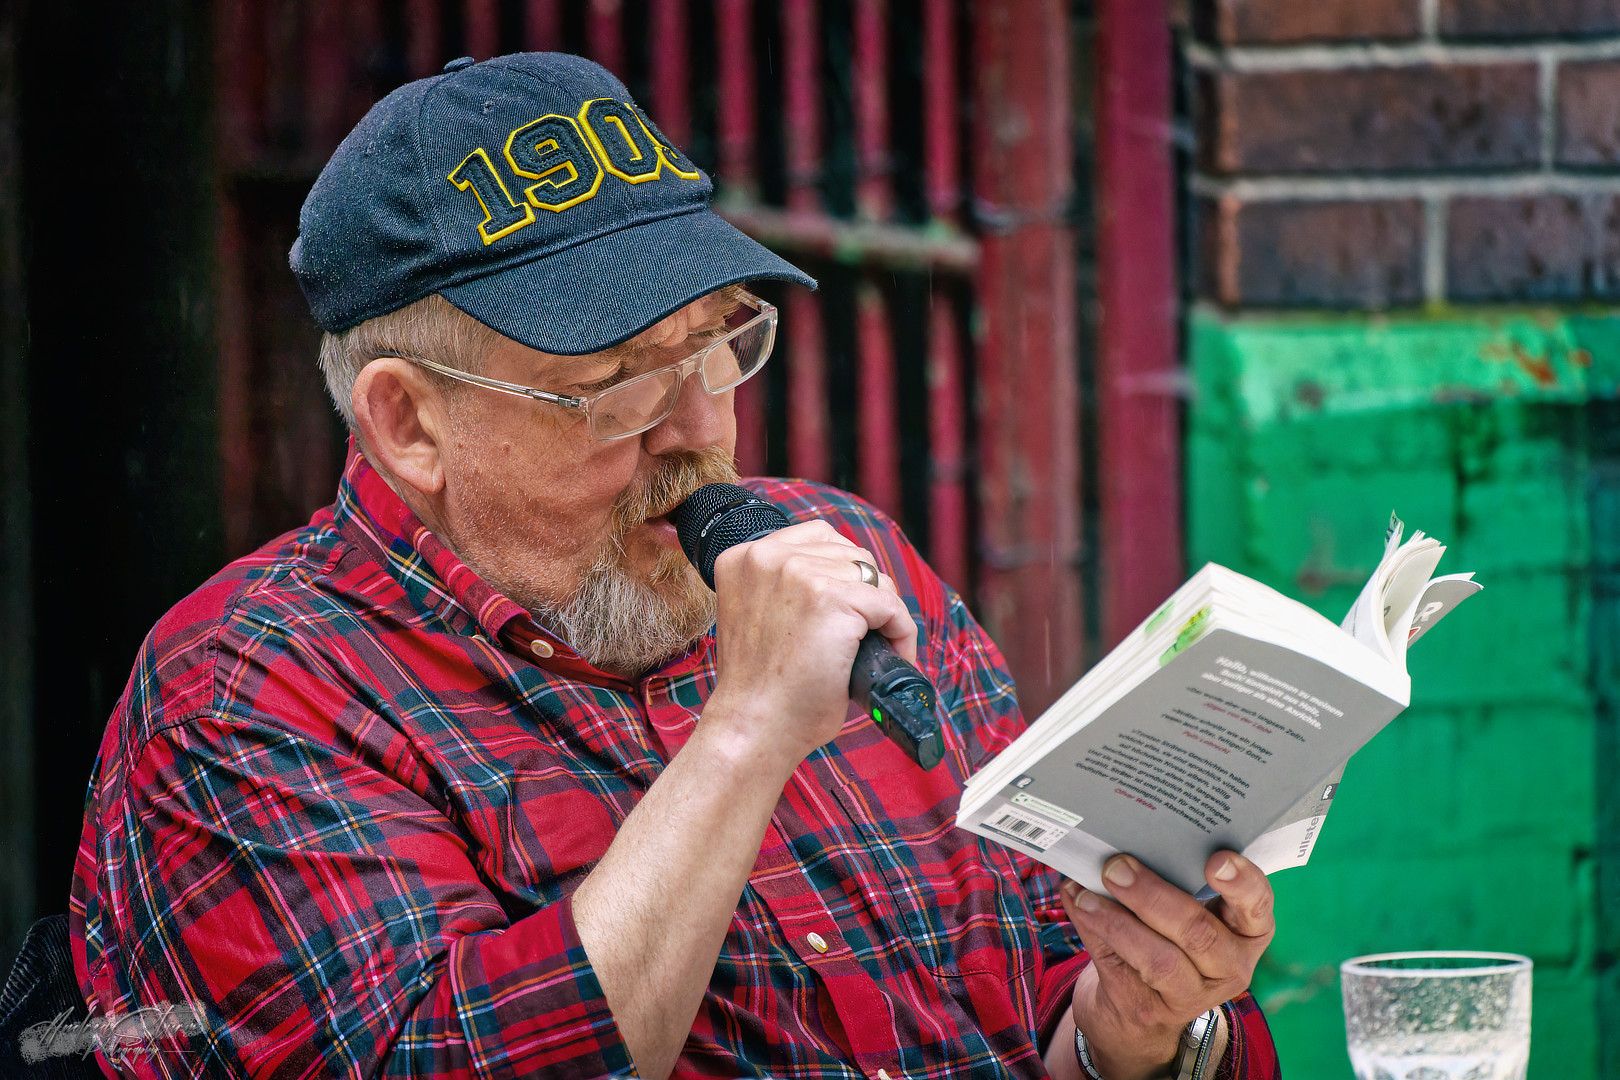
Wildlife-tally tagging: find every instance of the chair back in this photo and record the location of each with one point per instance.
(42, 1012)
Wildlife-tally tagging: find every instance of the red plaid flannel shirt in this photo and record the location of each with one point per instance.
(345, 798)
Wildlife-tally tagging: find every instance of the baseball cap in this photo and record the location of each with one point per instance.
(533, 194)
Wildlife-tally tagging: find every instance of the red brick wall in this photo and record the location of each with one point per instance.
(1385, 153)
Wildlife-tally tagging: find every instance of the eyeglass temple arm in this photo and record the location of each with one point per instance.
(495, 384)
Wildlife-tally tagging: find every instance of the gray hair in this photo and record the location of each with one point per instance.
(432, 328)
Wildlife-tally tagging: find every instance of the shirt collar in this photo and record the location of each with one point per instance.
(372, 513)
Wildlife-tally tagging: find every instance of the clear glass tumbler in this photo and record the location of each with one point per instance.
(1437, 1015)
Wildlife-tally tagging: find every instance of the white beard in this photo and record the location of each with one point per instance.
(622, 624)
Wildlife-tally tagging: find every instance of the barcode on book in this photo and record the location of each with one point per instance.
(1036, 832)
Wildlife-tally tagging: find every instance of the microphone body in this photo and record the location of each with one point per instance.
(899, 697)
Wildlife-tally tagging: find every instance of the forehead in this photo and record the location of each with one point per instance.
(669, 335)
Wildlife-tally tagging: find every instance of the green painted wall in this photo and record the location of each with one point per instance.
(1483, 817)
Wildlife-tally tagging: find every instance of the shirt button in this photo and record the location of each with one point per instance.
(817, 942)
(541, 648)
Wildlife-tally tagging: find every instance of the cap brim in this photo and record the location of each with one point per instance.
(605, 291)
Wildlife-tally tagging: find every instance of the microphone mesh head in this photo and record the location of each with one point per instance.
(718, 516)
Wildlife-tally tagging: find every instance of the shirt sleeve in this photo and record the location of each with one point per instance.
(331, 920)
(1250, 1055)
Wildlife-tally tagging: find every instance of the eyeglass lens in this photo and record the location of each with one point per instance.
(639, 403)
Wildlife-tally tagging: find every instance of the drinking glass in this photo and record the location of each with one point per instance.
(1437, 1015)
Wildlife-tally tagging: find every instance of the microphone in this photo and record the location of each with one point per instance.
(899, 697)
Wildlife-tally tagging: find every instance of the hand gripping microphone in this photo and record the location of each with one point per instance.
(899, 697)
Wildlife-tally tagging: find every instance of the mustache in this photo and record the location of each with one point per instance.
(681, 474)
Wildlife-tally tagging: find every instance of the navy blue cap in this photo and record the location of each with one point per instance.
(533, 194)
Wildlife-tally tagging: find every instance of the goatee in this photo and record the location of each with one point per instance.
(626, 624)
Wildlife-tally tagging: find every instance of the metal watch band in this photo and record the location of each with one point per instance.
(1197, 1046)
(1084, 1055)
(1193, 1061)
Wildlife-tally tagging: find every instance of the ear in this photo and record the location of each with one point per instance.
(402, 419)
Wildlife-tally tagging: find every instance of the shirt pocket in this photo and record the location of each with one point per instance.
(949, 895)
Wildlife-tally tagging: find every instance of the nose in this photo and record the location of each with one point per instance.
(699, 419)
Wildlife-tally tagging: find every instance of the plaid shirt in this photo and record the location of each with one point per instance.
(350, 788)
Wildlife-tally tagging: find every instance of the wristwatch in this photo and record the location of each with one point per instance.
(1193, 1060)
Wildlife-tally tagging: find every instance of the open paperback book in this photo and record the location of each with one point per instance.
(1222, 722)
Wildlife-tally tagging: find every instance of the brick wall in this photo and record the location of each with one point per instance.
(1404, 238)
(1387, 153)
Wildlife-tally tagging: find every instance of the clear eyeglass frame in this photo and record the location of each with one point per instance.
(640, 403)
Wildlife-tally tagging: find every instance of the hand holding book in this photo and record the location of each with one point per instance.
(1159, 959)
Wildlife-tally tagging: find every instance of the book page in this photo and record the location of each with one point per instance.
(1387, 602)
(1405, 588)
(1364, 621)
(1443, 594)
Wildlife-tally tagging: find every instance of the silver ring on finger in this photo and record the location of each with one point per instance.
(869, 573)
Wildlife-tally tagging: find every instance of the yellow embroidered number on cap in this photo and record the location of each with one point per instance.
(623, 144)
(565, 160)
(677, 161)
(477, 175)
(552, 152)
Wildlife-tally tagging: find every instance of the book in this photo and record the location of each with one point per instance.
(1222, 722)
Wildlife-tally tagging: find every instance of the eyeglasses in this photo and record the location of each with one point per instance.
(630, 407)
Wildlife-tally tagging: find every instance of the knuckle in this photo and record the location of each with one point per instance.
(821, 589)
(1258, 918)
(824, 530)
(803, 569)
(761, 550)
(1201, 934)
(789, 571)
(760, 564)
(734, 560)
(1161, 969)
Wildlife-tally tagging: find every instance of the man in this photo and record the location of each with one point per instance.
(457, 780)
